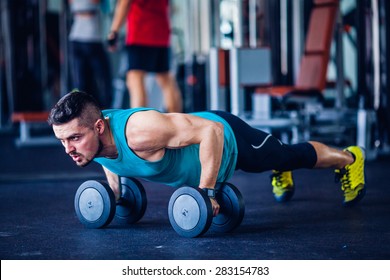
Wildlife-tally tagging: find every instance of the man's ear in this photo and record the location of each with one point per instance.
(100, 126)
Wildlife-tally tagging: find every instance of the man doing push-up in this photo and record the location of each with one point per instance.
(197, 149)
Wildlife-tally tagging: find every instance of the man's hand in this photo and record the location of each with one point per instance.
(112, 40)
(215, 206)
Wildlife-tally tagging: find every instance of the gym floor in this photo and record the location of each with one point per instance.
(38, 221)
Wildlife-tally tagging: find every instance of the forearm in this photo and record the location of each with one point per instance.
(113, 181)
(120, 14)
(210, 155)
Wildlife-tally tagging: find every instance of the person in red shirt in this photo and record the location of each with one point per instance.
(148, 49)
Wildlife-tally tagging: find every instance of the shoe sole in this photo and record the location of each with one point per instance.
(285, 197)
(358, 198)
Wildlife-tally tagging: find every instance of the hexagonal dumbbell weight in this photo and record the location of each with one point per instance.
(190, 210)
(95, 204)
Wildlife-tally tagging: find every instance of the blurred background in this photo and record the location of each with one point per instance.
(299, 69)
(253, 58)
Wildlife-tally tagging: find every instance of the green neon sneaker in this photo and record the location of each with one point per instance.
(352, 177)
(283, 185)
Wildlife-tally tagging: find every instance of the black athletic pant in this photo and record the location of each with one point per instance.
(259, 151)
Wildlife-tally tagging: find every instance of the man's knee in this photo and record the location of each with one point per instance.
(164, 79)
(135, 79)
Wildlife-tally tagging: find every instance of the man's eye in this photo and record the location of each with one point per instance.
(75, 138)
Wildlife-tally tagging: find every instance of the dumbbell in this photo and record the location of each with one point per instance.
(190, 210)
(95, 204)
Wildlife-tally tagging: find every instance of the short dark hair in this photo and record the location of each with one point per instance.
(75, 104)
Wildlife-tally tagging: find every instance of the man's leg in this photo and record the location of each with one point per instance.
(78, 64)
(172, 96)
(259, 151)
(328, 157)
(101, 72)
(349, 169)
(349, 165)
(136, 87)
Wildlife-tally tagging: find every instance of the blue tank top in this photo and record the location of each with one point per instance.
(177, 167)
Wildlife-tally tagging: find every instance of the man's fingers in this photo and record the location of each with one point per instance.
(215, 206)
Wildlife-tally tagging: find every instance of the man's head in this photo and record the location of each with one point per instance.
(76, 104)
(78, 122)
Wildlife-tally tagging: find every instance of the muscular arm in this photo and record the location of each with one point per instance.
(150, 132)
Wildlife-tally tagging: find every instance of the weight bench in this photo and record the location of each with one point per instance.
(27, 121)
(311, 79)
(306, 95)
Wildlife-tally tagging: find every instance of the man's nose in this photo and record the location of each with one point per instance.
(68, 147)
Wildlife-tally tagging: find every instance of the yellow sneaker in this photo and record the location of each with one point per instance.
(352, 177)
(283, 185)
